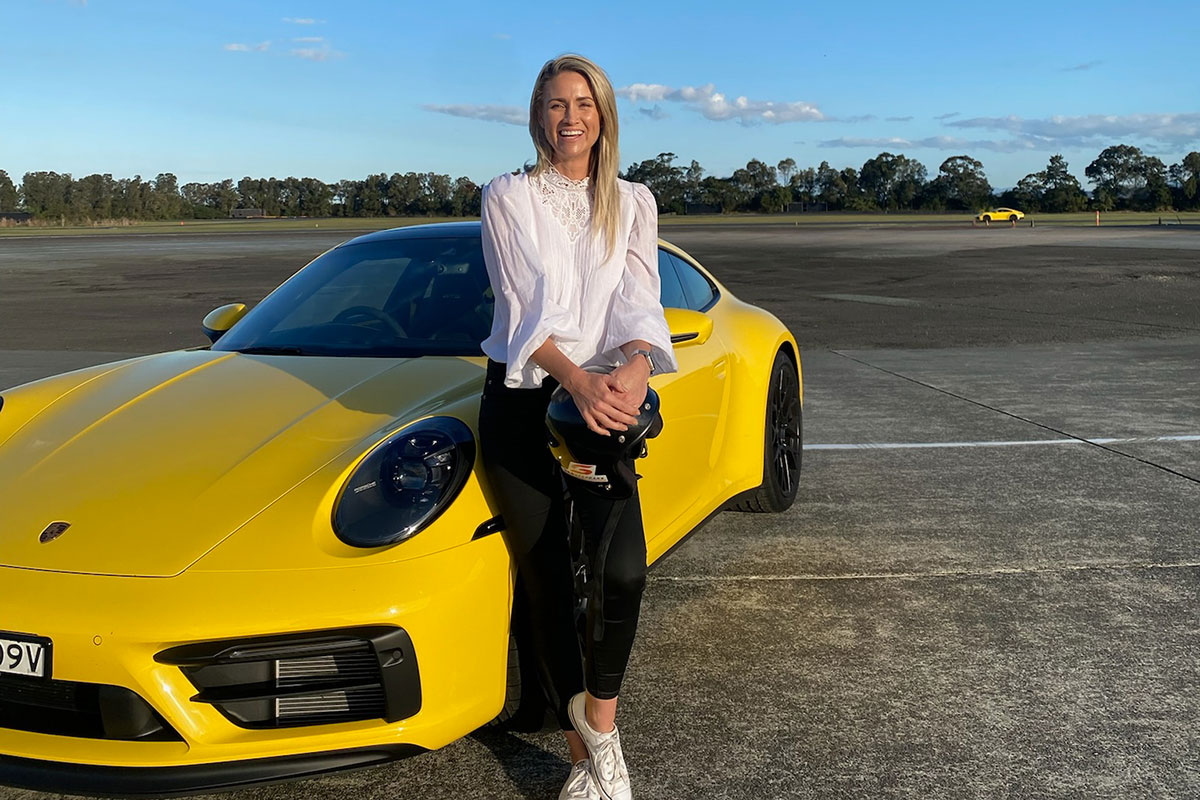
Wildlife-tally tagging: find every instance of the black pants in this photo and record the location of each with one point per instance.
(528, 485)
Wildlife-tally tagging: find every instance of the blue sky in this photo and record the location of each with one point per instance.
(339, 90)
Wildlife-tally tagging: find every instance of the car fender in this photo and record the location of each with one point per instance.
(274, 540)
(753, 336)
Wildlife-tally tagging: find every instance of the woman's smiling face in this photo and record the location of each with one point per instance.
(570, 121)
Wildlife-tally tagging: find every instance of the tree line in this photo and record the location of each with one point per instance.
(1123, 177)
(50, 195)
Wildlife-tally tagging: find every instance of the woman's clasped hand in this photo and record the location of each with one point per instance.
(608, 402)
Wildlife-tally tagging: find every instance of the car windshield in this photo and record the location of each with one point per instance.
(389, 297)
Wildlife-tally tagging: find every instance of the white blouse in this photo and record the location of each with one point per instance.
(551, 278)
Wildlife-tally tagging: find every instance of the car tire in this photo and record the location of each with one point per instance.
(782, 443)
(525, 708)
(512, 685)
(987, 218)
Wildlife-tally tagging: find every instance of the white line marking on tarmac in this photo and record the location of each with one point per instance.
(927, 445)
(994, 572)
(872, 299)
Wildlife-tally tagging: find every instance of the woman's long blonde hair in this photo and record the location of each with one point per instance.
(602, 169)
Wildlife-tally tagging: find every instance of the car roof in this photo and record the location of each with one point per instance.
(445, 230)
(435, 230)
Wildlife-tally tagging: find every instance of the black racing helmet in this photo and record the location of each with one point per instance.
(600, 462)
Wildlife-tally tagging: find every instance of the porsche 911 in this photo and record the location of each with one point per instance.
(1010, 214)
(278, 555)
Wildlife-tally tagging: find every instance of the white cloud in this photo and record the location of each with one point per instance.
(511, 115)
(947, 116)
(852, 141)
(654, 112)
(325, 53)
(309, 39)
(1050, 133)
(898, 119)
(238, 47)
(303, 21)
(1094, 129)
(716, 106)
(932, 143)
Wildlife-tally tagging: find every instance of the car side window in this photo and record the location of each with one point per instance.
(671, 291)
(698, 292)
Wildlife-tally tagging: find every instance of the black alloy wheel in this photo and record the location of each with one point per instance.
(783, 446)
(1012, 217)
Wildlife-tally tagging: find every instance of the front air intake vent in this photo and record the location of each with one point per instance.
(320, 709)
(364, 702)
(84, 710)
(313, 678)
(300, 671)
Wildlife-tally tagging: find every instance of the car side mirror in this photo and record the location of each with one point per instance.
(687, 326)
(219, 320)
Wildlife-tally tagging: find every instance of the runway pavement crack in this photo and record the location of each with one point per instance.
(1018, 417)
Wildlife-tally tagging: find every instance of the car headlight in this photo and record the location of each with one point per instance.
(404, 483)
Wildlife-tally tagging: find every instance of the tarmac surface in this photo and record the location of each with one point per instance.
(987, 586)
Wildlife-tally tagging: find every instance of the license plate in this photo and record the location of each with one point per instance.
(21, 654)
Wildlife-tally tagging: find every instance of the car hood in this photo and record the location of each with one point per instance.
(155, 462)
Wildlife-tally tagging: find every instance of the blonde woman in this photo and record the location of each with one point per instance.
(571, 251)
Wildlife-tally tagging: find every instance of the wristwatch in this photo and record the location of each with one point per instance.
(649, 360)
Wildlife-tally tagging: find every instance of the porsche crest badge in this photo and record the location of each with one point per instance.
(53, 531)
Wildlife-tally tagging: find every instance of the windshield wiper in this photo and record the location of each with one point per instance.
(273, 350)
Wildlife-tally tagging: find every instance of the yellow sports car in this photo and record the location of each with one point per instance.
(1005, 214)
(278, 555)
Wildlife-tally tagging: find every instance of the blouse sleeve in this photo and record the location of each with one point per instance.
(637, 312)
(518, 278)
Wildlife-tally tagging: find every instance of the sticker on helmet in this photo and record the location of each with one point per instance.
(585, 472)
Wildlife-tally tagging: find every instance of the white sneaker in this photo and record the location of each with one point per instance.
(604, 749)
(580, 785)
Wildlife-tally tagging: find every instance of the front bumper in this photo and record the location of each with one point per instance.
(454, 605)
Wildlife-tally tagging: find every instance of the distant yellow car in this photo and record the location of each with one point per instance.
(279, 556)
(1005, 214)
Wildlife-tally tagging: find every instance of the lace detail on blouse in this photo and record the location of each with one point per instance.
(569, 200)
